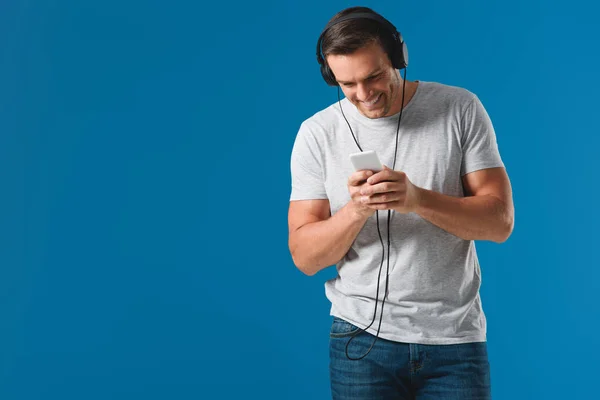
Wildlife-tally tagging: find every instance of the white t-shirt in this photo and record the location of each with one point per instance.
(435, 276)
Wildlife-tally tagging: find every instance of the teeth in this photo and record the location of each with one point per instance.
(374, 101)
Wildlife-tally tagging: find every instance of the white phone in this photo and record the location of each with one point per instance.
(366, 160)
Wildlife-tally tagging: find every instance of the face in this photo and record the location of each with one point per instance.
(367, 79)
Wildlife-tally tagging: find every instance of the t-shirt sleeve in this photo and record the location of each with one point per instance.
(479, 146)
(307, 167)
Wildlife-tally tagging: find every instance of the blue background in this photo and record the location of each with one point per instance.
(144, 172)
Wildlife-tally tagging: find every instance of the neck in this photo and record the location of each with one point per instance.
(409, 91)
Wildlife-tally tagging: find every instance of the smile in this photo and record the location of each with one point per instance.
(373, 102)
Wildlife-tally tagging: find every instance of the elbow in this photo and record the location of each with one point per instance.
(308, 271)
(305, 268)
(307, 262)
(507, 229)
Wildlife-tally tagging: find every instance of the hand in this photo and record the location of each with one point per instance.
(356, 183)
(390, 190)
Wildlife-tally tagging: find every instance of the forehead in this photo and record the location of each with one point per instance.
(358, 65)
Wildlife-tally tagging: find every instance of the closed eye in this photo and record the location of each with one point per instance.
(369, 79)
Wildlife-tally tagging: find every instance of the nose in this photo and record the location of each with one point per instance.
(362, 92)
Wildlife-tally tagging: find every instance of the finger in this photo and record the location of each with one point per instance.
(384, 197)
(359, 176)
(386, 175)
(382, 187)
(382, 175)
(382, 206)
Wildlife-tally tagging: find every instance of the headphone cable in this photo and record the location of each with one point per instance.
(379, 232)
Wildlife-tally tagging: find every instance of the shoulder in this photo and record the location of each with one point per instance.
(323, 122)
(447, 95)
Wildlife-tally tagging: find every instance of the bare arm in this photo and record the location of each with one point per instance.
(487, 213)
(316, 240)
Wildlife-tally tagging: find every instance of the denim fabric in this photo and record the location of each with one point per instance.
(395, 370)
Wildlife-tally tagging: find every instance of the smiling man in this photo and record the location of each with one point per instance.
(416, 329)
(368, 80)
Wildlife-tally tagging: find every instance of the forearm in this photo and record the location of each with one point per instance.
(471, 218)
(317, 245)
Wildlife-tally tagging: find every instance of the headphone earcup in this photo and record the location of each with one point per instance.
(404, 53)
(400, 56)
(327, 74)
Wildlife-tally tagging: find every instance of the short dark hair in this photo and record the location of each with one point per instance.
(351, 35)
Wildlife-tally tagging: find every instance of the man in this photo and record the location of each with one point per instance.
(418, 330)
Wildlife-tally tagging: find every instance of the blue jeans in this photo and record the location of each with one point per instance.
(394, 370)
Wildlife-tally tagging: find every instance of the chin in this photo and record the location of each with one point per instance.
(376, 113)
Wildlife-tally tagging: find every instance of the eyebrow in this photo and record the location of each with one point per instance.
(373, 74)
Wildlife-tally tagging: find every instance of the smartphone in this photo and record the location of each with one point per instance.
(366, 160)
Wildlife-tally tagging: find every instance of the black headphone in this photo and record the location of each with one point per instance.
(398, 56)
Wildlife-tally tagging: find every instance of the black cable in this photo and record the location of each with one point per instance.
(379, 232)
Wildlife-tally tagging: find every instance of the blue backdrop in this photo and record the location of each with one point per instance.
(144, 171)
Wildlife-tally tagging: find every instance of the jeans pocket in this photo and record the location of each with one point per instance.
(341, 328)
